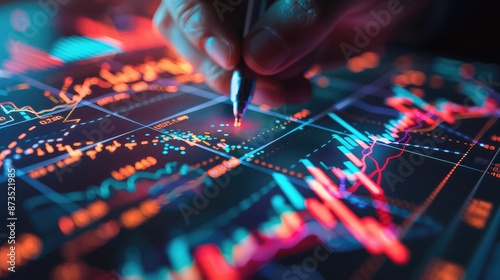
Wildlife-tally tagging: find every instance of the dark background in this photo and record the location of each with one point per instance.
(463, 29)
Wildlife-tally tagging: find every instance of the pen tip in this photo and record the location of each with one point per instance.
(237, 122)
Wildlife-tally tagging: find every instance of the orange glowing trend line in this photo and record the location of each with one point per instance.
(30, 109)
(70, 112)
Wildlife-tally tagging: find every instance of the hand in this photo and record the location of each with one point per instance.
(287, 40)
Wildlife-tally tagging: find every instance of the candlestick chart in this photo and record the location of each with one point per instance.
(128, 166)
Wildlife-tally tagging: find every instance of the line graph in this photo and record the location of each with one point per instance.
(139, 147)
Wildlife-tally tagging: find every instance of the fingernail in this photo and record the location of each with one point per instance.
(267, 50)
(220, 51)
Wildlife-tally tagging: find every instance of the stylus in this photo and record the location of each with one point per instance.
(243, 80)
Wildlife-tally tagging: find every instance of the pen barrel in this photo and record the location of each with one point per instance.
(242, 85)
(244, 79)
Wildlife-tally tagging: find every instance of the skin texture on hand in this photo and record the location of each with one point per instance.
(289, 38)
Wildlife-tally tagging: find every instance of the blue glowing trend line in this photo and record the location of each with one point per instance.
(348, 127)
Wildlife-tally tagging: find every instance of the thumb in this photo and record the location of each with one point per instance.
(288, 31)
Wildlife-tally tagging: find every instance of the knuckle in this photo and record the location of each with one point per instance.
(307, 12)
(189, 17)
(211, 70)
(215, 76)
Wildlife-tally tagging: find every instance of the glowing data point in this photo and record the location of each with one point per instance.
(237, 122)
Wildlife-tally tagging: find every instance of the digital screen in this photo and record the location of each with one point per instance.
(124, 165)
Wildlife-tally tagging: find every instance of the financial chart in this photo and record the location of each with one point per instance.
(128, 167)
